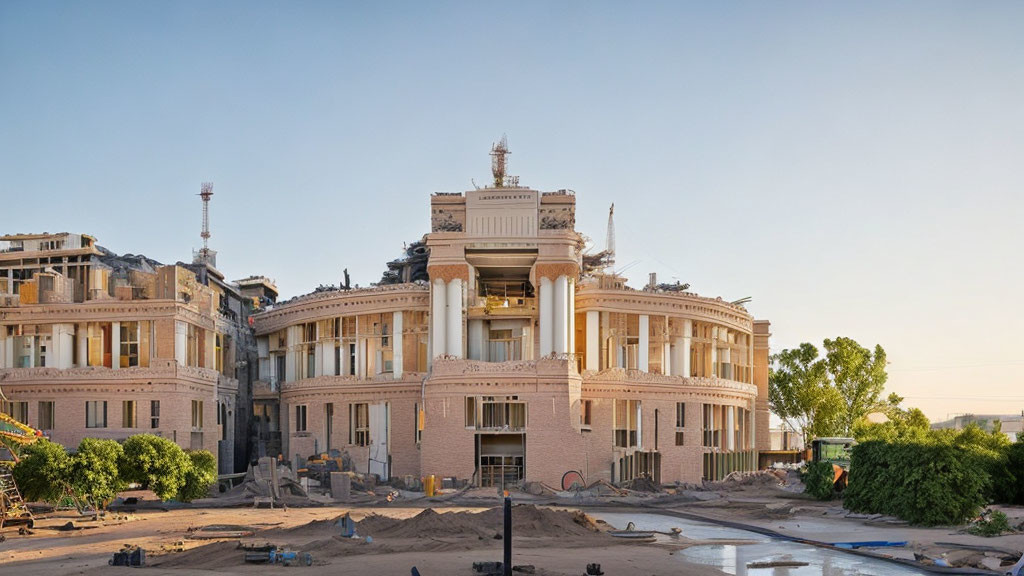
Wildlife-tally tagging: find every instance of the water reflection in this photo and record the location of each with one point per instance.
(733, 559)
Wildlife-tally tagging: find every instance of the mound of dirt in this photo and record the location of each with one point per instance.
(527, 521)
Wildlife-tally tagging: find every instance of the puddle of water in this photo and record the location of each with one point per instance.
(692, 529)
(734, 559)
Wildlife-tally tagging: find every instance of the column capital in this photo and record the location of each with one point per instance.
(554, 270)
(448, 272)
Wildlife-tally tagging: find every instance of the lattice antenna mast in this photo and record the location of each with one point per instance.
(498, 161)
(610, 237)
(206, 194)
(205, 255)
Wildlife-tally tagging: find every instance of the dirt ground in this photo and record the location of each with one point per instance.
(446, 535)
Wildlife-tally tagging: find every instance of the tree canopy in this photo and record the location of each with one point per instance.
(826, 396)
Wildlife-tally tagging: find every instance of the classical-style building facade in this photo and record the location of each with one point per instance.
(509, 357)
(93, 344)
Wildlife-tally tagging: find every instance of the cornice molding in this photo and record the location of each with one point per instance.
(688, 306)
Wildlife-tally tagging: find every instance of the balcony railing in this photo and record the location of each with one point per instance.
(505, 349)
(502, 306)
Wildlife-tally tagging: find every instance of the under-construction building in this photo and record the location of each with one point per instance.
(498, 351)
(95, 344)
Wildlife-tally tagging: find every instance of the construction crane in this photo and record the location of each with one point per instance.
(13, 509)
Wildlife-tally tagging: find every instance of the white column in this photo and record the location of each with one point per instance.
(643, 357)
(546, 318)
(65, 340)
(291, 339)
(327, 356)
(438, 339)
(666, 356)
(570, 297)
(593, 340)
(639, 426)
(560, 313)
(454, 324)
(397, 344)
(687, 332)
(180, 342)
(714, 351)
(318, 353)
(115, 345)
(730, 427)
(360, 352)
(727, 359)
(475, 346)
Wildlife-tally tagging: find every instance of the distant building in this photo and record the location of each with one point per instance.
(785, 438)
(93, 344)
(1010, 424)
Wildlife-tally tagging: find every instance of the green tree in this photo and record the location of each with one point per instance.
(200, 476)
(800, 393)
(902, 425)
(43, 472)
(155, 463)
(93, 475)
(859, 376)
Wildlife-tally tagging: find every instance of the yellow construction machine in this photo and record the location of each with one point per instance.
(12, 507)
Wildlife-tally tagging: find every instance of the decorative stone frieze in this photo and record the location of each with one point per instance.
(448, 272)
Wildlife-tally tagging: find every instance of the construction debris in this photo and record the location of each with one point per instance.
(129, 556)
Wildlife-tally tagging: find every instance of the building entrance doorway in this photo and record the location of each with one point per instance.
(501, 459)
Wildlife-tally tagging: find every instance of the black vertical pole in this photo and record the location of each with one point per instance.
(507, 564)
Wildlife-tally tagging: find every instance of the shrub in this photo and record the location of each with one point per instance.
(927, 483)
(155, 463)
(200, 476)
(43, 472)
(1014, 493)
(819, 480)
(990, 525)
(93, 472)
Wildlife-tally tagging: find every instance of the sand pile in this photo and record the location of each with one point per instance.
(743, 479)
(428, 531)
(527, 521)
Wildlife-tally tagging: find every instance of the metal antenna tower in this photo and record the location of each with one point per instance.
(610, 237)
(205, 255)
(207, 192)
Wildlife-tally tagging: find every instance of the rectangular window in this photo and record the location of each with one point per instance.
(282, 370)
(129, 344)
(16, 410)
(470, 411)
(359, 424)
(197, 414)
(300, 418)
(337, 360)
(505, 413)
(351, 359)
(47, 413)
(624, 423)
(154, 413)
(680, 422)
(585, 413)
(709, 434)
(218, 350)
(96, 414)
(128, 414)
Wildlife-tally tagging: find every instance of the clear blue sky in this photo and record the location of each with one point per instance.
(856, 168)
